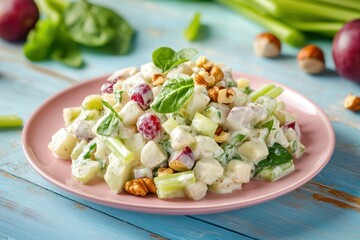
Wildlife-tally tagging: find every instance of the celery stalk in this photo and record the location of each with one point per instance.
(323, 28)
(280, 29)
(282, 9)
(261, 92)
(10, 121)
(172, 185)
(354, 5)
(275, 92)
(119, 149)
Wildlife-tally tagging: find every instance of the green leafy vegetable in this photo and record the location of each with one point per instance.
(166, 58)
(65, 50)
(53, 9)
(108, 125)
(192, 31)
(40, 40)
(94, 26)
(57, 36)
(173, 95)
(278, 155)
(88, 150)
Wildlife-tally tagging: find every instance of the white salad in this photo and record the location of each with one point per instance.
(179, 128)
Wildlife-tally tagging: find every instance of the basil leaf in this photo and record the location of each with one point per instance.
(166, 58)
(163, 58)
(108, 125)
(278, 155)
(192, 31)
(108, 106)
(65, 50)
(173, 95)
(40, 40)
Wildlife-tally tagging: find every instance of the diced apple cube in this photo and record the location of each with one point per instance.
(130, 113)
(206, 147)
(84, 170)
(196, 191)
(70, 114)
(92, 102)
(117, 173)
(152, 155)
(181, 137)
(197, 104)
(238, 171)
(224, 185)
(62, 143)
(254, 150)
(208, 170)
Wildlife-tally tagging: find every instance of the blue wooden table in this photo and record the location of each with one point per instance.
(327, 207)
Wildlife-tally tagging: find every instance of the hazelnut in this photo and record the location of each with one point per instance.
(267, 45)
(311, 59)
(352, 102)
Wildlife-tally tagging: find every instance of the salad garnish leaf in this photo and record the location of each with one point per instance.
(110, 123)
(278, 155)
(173, 95)
(166, 58)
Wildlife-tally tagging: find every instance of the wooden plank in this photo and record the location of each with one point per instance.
(26, 208)
(31, 212)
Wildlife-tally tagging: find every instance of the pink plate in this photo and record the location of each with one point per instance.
(317, 135)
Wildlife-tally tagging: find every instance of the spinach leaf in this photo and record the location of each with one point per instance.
(278, 155)
(40, 40)
(52, 9)
(65, 50)
(191, 32)
(94, 26)
(108, 125)
(166, 58)
(173, 95)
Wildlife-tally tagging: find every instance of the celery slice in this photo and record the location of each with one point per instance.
(119, 149)
(261, 92)
(172, 185)
(10, 121)
(275, 92)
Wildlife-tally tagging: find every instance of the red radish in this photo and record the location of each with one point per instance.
(182, 160)
(17, 18)
(346, 51)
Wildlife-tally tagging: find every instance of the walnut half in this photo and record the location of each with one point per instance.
(140, 186)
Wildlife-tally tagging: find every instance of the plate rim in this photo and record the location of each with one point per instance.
(180, 210)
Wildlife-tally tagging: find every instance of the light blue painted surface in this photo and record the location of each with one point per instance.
(32, 208)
